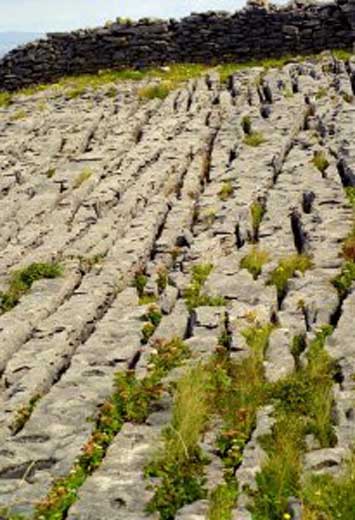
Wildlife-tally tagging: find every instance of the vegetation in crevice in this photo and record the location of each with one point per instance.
(254, 139)
(344, 280)
(254, 262)
(152, 319)
(222, 501)
(320, 161)
(82, 177)
(328, 497)
(257, 212)
(194, 295)
(23, 414)
(287, 269)
(21, 282)
(131, 401)
(180, 465)
(226, 191)
(303, 405)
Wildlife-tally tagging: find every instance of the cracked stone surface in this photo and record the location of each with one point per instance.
(150, 202)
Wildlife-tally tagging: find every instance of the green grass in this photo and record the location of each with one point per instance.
(257, 211)
(226, 191)
(286, 269)
(131, 401)
(18, 115)
(23, 414)
(21, 282)
(350, 194)
(320, 161)
(254, 139)
(82, 177)
(326, 497)
(152, 318)
(222, 501)
(5, 99)
(345, 279)
(194, 295)
(303, 405)
(246, 125)
(180, 465)
(254, 262)
(160, 91)
(321, 93)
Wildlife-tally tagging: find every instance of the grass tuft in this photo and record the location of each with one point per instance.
(82, 177)
(180, 466)
(320, 161)
(254, 262)
(286, 269)
(254, 139)
(21, 282)
(226, 191)
(194, 295)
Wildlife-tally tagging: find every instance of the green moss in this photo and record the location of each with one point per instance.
(254, 262)
(21, 282)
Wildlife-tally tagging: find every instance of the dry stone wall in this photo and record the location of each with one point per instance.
(253, 32)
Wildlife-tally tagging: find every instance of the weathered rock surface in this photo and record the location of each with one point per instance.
(149, 204)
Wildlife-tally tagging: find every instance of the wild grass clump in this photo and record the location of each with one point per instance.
(321, 93)
(180, 466)
(21, 282)
(194, 295)
(257, 211)
(82, 177)
(320, 161)
(159, 91)
(19, 114)
(350, 193)
(226, 191)
(5, 99)
(254, 139)
(286, 269)
(222, 501)
(246, 125)
(152, 319)
(132, 401)
(254, 262)
(328, 497)
(303, 405)
(345, 279)
(23, 414)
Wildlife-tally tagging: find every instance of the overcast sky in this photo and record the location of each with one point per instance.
(53, 15)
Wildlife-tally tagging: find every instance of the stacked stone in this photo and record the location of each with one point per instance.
(253, 32)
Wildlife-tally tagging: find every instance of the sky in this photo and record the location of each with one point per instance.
(61, 15)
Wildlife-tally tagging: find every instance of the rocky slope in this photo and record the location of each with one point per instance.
(128, 197)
